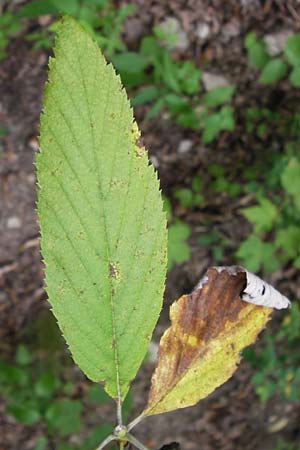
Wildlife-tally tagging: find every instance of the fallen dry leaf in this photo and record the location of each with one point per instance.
(201, 349)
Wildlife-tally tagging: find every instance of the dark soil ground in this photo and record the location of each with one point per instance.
(232, 417)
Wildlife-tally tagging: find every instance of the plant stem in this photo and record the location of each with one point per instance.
(121, 445)
(135, 442)
(137, 420)
(119, 410)
(106, 441)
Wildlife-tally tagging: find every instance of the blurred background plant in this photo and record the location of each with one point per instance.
(260, 190)
(40, 389)
(100, 17)
(276, 369)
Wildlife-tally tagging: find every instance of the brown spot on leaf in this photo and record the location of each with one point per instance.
(113, 271)
(140, 151)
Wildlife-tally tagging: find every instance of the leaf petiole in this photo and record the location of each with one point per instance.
(136, 442)
(122, 436)
(136, 421)
(106, 441)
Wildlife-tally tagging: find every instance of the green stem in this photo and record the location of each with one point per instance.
(121, 445)
(133, 440)
(119, 406)
(106, 441)
(135, 421)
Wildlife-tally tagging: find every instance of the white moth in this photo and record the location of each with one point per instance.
(256, 291)
(261, 293)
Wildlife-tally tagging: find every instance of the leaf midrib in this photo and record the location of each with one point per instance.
(101, 197)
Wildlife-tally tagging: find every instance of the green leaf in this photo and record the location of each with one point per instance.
(169, 73)
(167, 207)
(197, 183)
(176, 103)
(41, 443)
(63, 416)
(256, 50)
(96, 394)
(214, 123)
(130, 66)
(149, 47)
(96, 436)
(218, 96)
(211, 127)
(274, 71)
(292, 49)
(26, 412)
(185, 197)
(23, 357)
(68, 388)
(262, 216)
(168, 36)
(103, 229)
(64, 446)
(189, 76)
(216, 170)
(209, 238)
(145, 95)
(127, 405)
(37, 8)
(291, 324)
(13, 375)
(178, 249)
(3, 130)
(227, 118)
(188, 118)
(156, 108)
(129, 62)
(295, 77)
(255, 253)
(290, 179)
(296, 262)
(288, 240)
(72, 7)
(46, 385)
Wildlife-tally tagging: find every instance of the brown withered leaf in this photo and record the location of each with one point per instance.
(201, 349)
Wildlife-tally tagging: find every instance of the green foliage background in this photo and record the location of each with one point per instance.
(157, 79)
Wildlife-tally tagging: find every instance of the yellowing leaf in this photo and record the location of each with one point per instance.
(201, 349)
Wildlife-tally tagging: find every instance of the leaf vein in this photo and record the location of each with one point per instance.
(100, 190)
